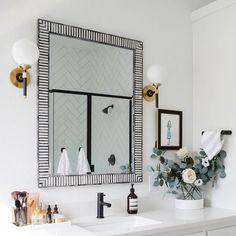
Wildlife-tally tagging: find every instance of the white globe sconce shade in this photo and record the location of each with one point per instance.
(25, 53)
(156, 75)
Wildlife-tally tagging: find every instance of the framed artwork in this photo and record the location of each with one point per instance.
(169, 129)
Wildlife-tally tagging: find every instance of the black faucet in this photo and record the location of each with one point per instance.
(101, 204)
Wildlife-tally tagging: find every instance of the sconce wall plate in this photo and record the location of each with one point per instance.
(149, 92)
(17, 78)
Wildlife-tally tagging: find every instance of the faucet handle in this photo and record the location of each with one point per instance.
(101, 194)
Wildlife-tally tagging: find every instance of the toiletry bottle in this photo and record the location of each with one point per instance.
(55, 211)
(43, 213)
(132, 202)
(36, 218)
(49, 215)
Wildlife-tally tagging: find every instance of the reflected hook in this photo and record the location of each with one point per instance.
(63, 148)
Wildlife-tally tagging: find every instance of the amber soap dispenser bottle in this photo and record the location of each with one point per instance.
(132, 202)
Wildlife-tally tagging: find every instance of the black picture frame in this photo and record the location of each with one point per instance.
(162, 116)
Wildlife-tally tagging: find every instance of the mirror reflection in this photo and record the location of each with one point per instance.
(90, 107)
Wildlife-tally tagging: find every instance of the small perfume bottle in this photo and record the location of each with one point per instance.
(43, 213)
(37, 218)
(55, 211)
(132, 202)
(49, 215)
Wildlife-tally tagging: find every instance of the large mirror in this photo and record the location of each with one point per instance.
(90, 107)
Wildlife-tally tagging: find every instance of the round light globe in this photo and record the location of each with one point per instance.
(156, 74)
(25, 52)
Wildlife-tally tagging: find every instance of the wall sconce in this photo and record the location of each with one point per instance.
(25, 53)
(156, 75)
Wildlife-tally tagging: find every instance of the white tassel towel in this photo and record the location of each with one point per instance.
(64, 164)
(83, 166)
(212, 143)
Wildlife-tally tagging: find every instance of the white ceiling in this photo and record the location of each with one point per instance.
(6, 5)
(196, 4)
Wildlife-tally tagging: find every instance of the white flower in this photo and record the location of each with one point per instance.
(189, 176)
(182, 153)
(198, 182)
(167, 169)
(205, 162)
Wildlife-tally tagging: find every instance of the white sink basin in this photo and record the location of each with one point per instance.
(112, 225)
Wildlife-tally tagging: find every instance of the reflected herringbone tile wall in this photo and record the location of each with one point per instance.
(70, 126)
(83, 66)
(110, 134)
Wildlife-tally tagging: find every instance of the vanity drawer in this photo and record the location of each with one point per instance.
(197, 234)
(229, 231)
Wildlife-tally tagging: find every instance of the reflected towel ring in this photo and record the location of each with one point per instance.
(112, 160)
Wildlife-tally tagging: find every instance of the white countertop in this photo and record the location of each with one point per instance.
(182, 220)
(172, 220)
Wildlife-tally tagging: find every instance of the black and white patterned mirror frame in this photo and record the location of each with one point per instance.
(45, 28)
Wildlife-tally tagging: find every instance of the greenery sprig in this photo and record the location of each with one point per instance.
(186, 174)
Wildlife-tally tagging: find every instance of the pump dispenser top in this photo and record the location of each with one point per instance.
(132, 190)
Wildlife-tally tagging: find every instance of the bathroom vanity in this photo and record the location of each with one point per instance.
(205, 222)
